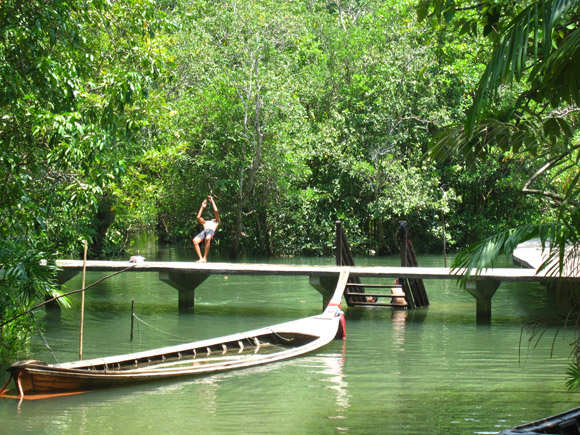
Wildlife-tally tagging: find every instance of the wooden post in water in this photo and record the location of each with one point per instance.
(338, 243)
(412, 261)
(132, 317)
(83, 301)
(403, 237)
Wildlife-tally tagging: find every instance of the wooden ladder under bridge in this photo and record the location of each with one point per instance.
(404, 293)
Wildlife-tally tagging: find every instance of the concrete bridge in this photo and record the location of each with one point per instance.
(187, 276)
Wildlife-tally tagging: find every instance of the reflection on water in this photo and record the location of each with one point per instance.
(399, 317)
(431, 371)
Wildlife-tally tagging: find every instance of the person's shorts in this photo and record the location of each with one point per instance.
(206, 233)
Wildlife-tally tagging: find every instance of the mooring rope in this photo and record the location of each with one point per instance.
(160, 330)
(279, 336)
(42, 337)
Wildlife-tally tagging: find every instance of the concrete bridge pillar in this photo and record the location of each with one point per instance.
(482, 291)
(186, 283)
(326, 285)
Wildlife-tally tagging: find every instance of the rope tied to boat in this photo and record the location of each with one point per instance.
(63, 295)
(158, 329)
(42, 338)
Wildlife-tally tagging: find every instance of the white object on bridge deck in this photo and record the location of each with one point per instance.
(530, 254)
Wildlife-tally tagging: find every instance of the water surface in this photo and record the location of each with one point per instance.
(428, 371)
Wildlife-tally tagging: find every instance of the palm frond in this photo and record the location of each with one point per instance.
(532, 26)
(485, 254)
(489, 132)
(559, 242)
(559, 75)
(573, 377)
(563, 251)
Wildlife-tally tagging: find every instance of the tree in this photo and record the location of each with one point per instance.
(281, 108)
(79, 81)
(238, 107)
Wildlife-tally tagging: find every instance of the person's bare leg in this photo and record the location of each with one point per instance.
(206, 249)
(196, 242)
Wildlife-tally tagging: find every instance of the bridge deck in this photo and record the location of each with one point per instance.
(187, 276)
(497, 274)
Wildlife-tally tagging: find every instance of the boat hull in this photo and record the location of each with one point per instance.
(247, 349)
(206, 357)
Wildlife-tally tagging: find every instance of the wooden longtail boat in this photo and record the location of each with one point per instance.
(567, 423)
(246, 349)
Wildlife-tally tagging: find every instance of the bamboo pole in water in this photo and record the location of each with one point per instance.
(132, 317)
(83, 302)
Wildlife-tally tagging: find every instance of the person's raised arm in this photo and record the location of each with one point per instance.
(200, 212)
(215, 210)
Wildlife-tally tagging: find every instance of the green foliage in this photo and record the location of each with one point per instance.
(81, 84)
(22, 279)
(541, 34)
(573, 377)
(535, 45)
(77, 77)
(297, 115)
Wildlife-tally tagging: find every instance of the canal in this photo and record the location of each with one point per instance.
(429, 371)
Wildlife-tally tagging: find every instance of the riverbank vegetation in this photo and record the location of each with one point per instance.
(120, 117)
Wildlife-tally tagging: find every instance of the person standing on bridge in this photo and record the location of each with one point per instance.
(209, 229)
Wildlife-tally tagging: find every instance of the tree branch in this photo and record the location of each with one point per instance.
(552, 163)
(63, 295)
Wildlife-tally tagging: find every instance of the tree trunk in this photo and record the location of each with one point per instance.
(103, 220)
(235, 249)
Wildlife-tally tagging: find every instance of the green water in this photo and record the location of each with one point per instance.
(428, 371)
